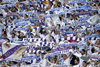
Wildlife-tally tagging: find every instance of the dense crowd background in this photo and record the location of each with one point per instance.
(57, 33)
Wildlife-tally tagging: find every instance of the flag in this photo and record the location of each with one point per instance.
(12, 51)
(94, 19)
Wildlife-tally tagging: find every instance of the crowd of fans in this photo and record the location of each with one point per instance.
(48, 28)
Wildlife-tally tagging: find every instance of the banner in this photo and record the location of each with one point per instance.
(28, 58)
(96, 57)
(9, 1)
(23, 23)
(61, 49)
(12, 51)
(12, 14)
(94, 20)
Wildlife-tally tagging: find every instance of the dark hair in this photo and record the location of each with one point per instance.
(13, 33)
(84, 61)
(52, 37)
(27, 63)
(14, 62)
(98, 30)
(43, 53)
(77, 59)
(41, 30)
(83, 50)
(58, 25)
(84, 33)
(76, 47)
(60, 18)
(93, 50)
(51, 3)
(49, 49)
(71, 27)
(59, 4)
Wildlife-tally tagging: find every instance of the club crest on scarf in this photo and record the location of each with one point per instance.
(7, 45)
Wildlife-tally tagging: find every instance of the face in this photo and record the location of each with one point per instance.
(32, 36)
(88, 43)
(98, 32)
(42, 56)
(59, 4)
(13, 35)
(57, 32)
(97, 42)
(90, 33)
(37, 24)
(51, 38)
(76, 61)
(37, 54)
(21, 34)
(64, 57)
(53, 58)
(58, 27)
(25, 16)
(71, 17)
(70, 29)
(17, 33)
(4, 36)
(77, 35)
(65, 36)
(82, 52)
(83, 35)
(84, 64)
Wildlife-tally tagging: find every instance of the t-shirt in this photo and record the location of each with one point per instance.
(67, 61)
(43, 62)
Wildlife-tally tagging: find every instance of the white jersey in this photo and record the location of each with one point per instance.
(43, 63)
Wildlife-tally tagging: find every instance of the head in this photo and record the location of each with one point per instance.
(88, 43)
(64, 56)
(84, 64)
(57, 32)
(98, 42)
(50, 3)
(12, 63)
(65, 36)
(59, 4)
(83, 51)
(13, 35)
(51, 38)
(37, 54)
(77, 48)
(93, 50)
(21, 34)
(42, 55)
(76, 61)
(70, 29)
(58, 26)
(98, 32)
(14, 9)
(83, 35)
(25, 16)
(53, 59)
(32, 35)
(77, 35)
(37, 24)
(71, 17)
(4, 36)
